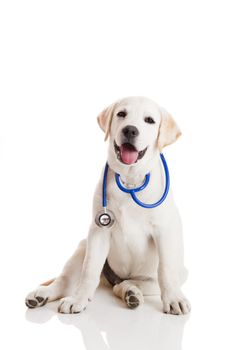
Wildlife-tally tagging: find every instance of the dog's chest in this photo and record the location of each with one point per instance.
(131, 240)
(132, 245)
(127, 212)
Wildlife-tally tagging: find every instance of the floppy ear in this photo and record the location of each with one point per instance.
(105, 118)
(168, 130)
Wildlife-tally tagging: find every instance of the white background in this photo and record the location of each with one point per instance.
(61, 63)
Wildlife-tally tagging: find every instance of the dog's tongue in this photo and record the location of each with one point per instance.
(129, 155)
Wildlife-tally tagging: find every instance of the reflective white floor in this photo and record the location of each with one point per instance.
(108, 324)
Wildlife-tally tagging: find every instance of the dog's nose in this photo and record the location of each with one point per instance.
(130, 132)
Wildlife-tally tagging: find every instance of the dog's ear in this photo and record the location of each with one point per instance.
(105, 118)
(168, 130)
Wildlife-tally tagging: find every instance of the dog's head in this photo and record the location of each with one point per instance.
(138, 129)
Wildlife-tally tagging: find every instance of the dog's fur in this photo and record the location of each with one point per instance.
(144, 247)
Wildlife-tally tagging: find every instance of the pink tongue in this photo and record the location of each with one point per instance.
(128, 154)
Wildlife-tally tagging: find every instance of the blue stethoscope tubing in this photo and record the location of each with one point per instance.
(133, 191)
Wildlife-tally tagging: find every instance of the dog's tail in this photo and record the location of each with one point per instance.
(110, 275)
(47, 283)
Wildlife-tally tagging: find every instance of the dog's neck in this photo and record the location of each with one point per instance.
(132, 185)
(134, 176)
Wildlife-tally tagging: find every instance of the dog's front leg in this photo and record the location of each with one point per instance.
(98, 243)
(171, 270)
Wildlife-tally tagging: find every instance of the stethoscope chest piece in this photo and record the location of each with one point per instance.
(104, 218)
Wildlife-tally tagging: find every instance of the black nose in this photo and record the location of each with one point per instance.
(130, 132)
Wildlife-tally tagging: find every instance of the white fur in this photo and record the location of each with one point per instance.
(144, 245)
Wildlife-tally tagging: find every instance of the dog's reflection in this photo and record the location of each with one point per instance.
(110, 325)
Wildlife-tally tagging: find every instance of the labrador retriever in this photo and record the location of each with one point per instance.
(142, 252)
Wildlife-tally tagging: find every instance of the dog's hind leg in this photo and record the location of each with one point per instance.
(132, 291)
(61, 286)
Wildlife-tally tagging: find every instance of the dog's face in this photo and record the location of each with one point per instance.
(134, 130)
(138, 128)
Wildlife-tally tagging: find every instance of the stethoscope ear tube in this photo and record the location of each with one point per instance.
(133, 191)
(165, 193)
(105, 217)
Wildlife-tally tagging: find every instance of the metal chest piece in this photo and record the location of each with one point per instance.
(104, 218)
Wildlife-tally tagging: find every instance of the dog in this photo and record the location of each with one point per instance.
(142, 252)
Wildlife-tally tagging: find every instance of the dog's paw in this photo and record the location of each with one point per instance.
(133, 297)
(72, 305)
(176, 304)
(44, 294)
(38, 297)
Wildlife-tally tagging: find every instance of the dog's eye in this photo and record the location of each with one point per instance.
(122, 114)
(149, 120)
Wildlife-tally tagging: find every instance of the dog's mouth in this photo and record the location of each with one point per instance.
(128, 154)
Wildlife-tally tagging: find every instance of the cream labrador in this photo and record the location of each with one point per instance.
(142, 252)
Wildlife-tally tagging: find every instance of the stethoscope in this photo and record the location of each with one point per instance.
(106, 218)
